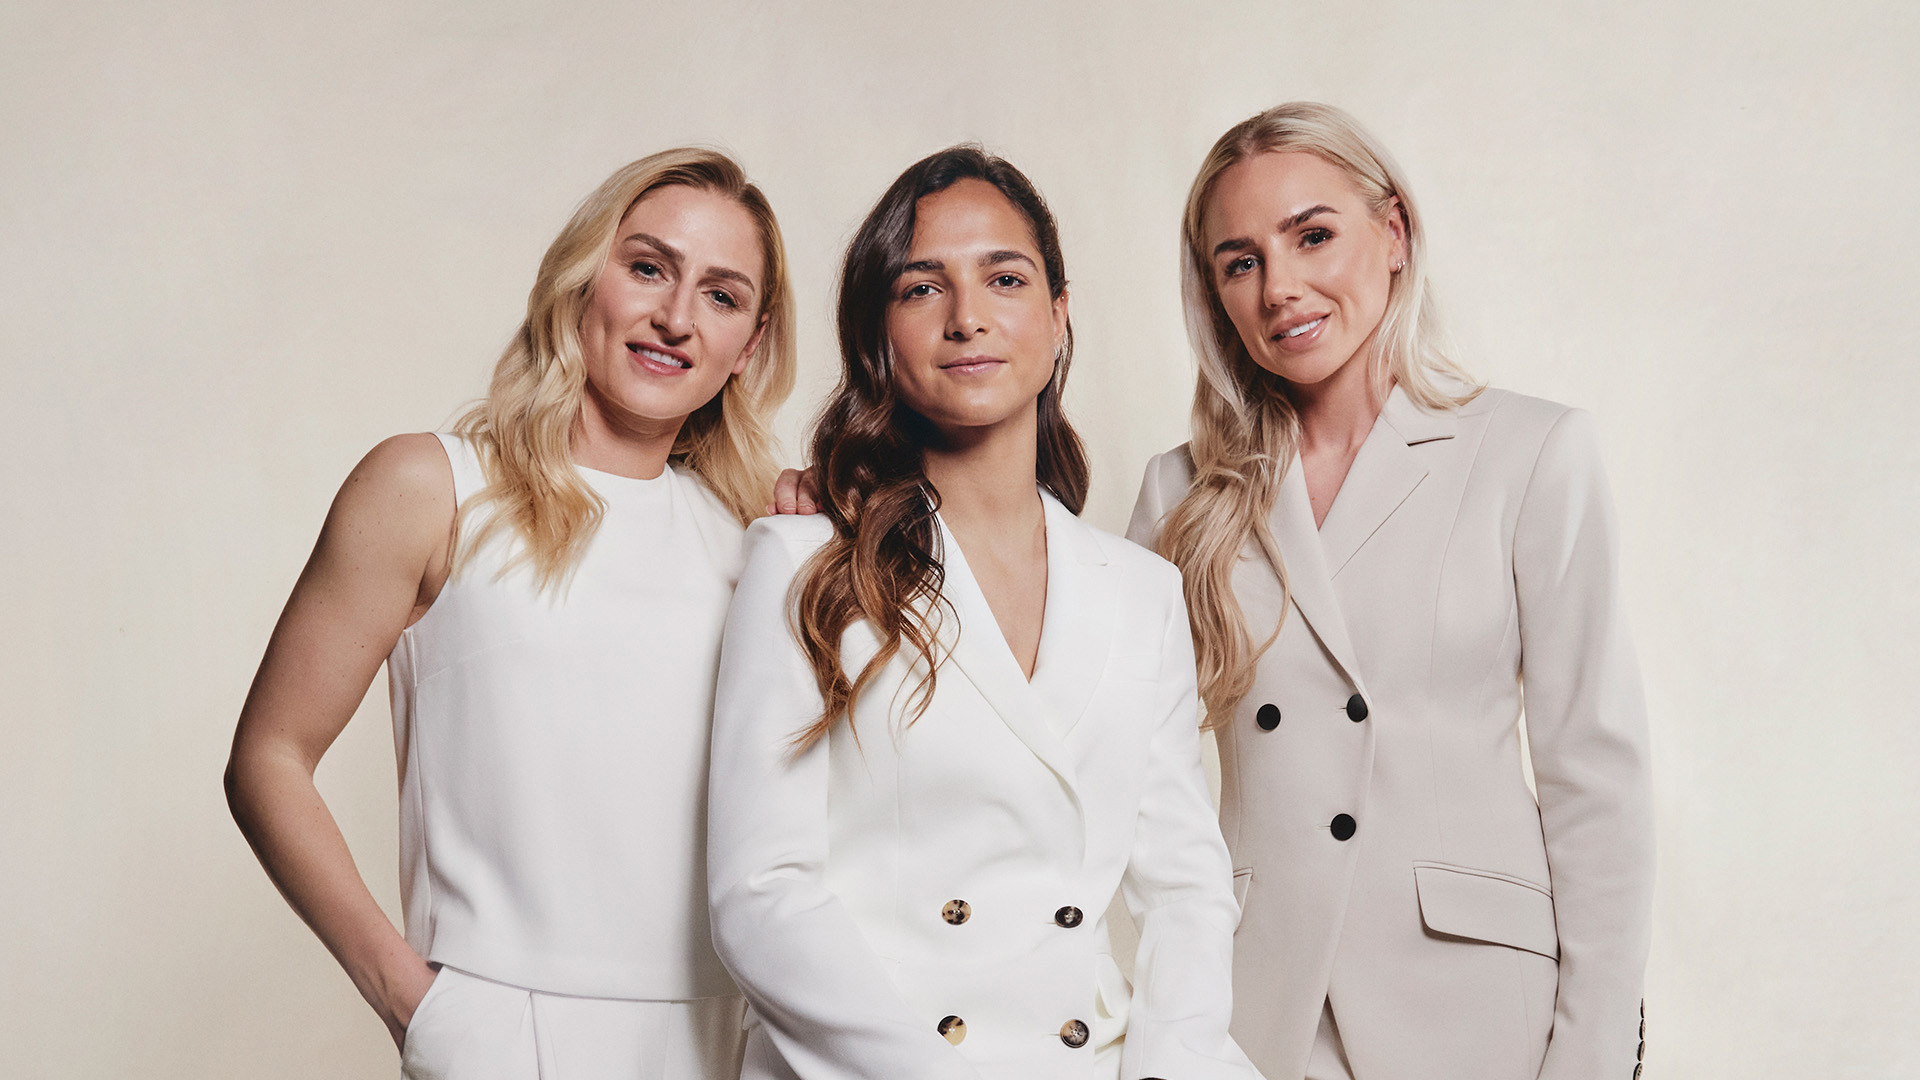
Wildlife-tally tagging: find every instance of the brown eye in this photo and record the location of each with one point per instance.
(1315, 237)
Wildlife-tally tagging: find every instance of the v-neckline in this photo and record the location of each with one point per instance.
(973, 580)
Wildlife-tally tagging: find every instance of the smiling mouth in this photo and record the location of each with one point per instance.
(1303, 328)
(646, 352)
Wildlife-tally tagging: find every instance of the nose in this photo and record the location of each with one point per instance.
(674, 317)
(1280, 285)
(963, 316)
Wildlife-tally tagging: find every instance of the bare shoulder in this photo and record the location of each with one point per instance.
(397, 502)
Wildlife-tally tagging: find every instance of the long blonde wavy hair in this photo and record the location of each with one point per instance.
(523, 428)
(1246, 432)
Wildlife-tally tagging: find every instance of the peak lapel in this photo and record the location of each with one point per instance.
(981, 653)
(1082, 601)
(1383, 474)
(1309, 583)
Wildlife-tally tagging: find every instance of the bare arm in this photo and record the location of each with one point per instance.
(380, 560)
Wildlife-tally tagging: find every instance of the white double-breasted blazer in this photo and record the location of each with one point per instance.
(1392, 861)
(896, 881)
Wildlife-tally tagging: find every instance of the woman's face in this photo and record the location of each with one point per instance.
(1300, 262)
(973, 329)
(674, 311)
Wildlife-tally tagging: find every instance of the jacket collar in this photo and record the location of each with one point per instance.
(1074, 639)
(1384, 473)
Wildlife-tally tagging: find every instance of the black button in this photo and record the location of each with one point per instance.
(957, 911)
(1074, 1034)
(1068, 916)
(1343, 827)
(952, 1028)
(1641, 1054)
(1356, 708)
(1268, 717)
(1636, 1072)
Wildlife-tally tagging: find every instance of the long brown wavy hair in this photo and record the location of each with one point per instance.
(884, 563)
(523, 430)
(1246, 431)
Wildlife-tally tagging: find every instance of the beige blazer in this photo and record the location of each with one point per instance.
(900, 882)
(1390, 858)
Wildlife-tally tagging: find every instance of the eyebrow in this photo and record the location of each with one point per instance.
(991, 258)
(674, 253)
(1242, 243)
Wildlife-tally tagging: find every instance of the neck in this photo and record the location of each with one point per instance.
(1338, 412)
(611, 442)
(985, 476)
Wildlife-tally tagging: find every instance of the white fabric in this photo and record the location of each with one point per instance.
(1463, 931)
(553, 752)
(470, 1028)
(830, 869)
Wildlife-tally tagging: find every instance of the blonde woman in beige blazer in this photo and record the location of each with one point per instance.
(1381, 562)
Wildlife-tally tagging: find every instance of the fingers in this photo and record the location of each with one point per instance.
(793, 493)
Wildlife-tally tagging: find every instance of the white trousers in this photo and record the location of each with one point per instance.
(470, 1028)
(1328, 1060)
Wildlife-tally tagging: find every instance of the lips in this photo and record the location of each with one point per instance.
(968, 365)
(1300, 333)
(659, 357)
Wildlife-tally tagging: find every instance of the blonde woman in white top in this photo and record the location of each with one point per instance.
(548, 585)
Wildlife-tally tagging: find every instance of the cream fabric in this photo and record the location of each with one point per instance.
(831, 869)
(553, 752)
(1468, 553)
(470, 1028)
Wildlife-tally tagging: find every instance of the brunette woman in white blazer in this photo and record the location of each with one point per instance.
(1380, 558)
(547, 585)
(953, 720)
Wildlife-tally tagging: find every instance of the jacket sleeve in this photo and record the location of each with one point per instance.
(1179, 888)
(1587, 731)
(823, 996)
(1154, 502)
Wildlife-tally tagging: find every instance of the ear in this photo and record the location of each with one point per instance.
(1397, 228)
(1060, 322)
(753, 344)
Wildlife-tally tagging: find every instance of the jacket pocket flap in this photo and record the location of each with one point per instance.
(1483, 906)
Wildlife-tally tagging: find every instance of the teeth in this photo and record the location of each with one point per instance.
(1304, 327)
(659, 357)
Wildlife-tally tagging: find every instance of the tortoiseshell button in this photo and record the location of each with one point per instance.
(957, 912)
(953, 1029)
(1074, 1034)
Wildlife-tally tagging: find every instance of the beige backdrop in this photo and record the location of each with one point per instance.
(241, 243)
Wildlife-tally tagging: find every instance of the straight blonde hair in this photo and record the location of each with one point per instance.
(1246, 431)
(523, 428)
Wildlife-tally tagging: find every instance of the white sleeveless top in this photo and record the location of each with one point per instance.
(553, 751)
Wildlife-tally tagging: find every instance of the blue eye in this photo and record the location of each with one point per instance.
(1241, 265)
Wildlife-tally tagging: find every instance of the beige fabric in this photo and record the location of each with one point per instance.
(470, 1028)
(1467, 552)
(1328, 1059)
